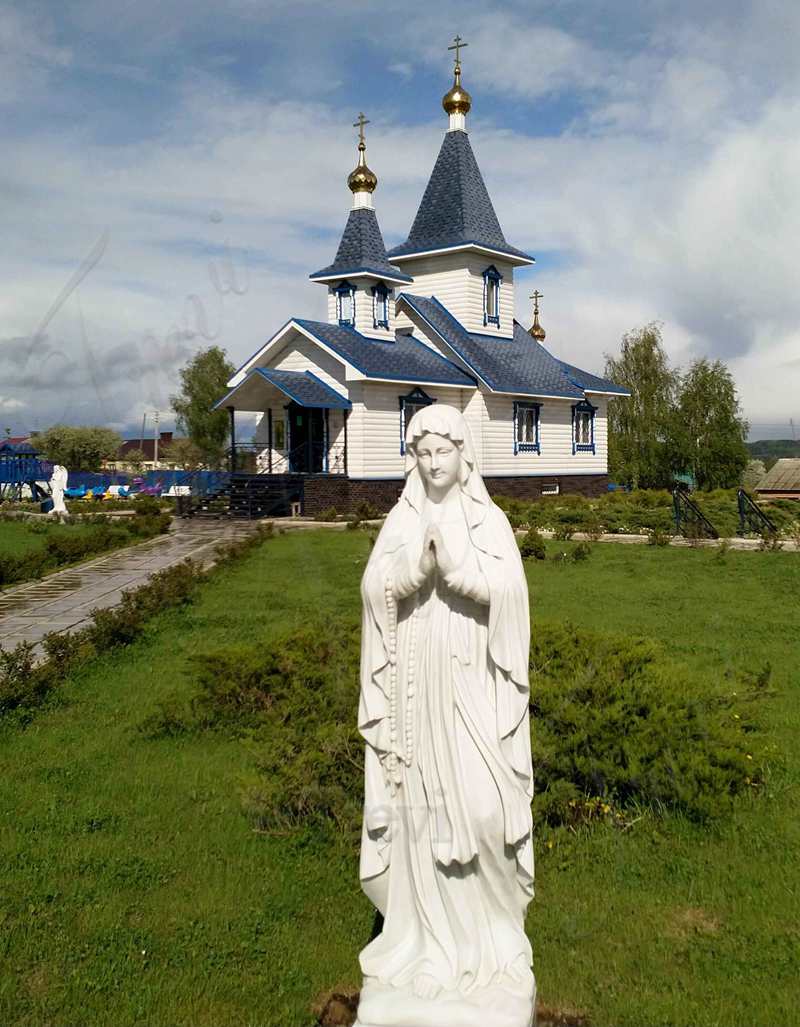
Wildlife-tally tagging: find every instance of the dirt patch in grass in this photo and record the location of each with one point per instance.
(691, 920)
(338, 1009)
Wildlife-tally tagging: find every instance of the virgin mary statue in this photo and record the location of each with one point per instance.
(446, 853)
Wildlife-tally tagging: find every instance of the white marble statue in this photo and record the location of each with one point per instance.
(58, 483)
(446, 853)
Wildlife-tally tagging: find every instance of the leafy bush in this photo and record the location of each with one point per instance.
(366, 511)
(581, 552)
(616, 725)
(328, 514)
(532, 547)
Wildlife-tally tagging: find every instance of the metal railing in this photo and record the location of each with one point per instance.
(306, 458)
(690, 520)
(752, 518)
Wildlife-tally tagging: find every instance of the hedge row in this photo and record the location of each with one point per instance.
(615, 725)
(26, 682)
(70, 544)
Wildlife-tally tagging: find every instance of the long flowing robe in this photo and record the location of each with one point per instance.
(446, 851)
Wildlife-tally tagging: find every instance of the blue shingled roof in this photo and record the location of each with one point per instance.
(361, 250)
(518, 365)
(455, 208)
(403, 358)
(592, 382)
(305, 388)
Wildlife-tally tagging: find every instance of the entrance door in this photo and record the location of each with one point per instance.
(306, 439)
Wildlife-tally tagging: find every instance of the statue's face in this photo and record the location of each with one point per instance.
(438, 460)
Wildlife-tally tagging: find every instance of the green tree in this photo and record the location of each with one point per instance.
(640, 427)
(203, 382)
(753, 473)
(182, 453)
(79, 448)
(134, 458)
(710, 432)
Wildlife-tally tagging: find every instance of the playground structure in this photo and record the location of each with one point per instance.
(22, 474)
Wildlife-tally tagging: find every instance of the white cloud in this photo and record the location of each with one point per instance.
(670, 195)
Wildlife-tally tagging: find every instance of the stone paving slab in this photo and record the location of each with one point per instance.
(64, 601)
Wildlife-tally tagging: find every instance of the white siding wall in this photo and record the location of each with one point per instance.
(456, 280)
(556, 457)
(374, 425)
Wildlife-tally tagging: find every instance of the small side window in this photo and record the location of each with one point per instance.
(526, 428)
(279, 434)
(416, 400)
(491, 296)
(583, 427)
(346, 304)
(380, 307)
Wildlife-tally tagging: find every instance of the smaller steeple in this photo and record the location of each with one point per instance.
(362, 181)
(457, 101)
(536, 329)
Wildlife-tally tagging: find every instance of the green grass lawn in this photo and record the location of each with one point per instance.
(135, 890)
(16, 537)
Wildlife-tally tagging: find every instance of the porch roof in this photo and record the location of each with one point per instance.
(303, 387)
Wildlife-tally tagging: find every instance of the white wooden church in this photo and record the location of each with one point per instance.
(430, 321)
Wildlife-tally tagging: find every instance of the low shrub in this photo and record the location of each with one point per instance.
(329, 514)
(366, 511)
(616, 725)
(581, 552)
(532, 546)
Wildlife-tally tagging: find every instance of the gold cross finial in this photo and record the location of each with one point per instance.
(362, 121)
(458, 46)
(536, 296)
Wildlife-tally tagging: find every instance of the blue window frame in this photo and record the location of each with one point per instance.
(346, 304)
(583, 427)
(491, 295)
(409, 405)
(526, 428)
(380, 306)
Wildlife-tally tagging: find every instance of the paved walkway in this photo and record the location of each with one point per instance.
(64, 601)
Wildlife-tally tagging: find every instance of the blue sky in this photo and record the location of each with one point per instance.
(191, 159)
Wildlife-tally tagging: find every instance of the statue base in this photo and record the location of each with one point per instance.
(384, 1006)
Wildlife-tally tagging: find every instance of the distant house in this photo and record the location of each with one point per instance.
(148, 447)
(782, 481)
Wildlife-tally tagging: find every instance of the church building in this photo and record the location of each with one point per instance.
(429, 321)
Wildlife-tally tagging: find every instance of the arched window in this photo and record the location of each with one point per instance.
(380, 306)
(409, 405)
(583, 427)
(491, 296)
(346, 304)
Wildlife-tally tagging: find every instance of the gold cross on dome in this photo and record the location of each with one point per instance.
(458, 46)
(536, 296)
(362, 121)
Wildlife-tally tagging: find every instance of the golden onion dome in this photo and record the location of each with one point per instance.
(536, 329)
(361, 179)
(457, 100)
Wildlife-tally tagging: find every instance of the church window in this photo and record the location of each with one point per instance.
(416, 400)
(583, 427)
(380, 306)
(491, 296)
(526, 428)
(279, 434)
(346, 304)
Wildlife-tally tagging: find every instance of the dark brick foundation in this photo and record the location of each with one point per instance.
(322, 492)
